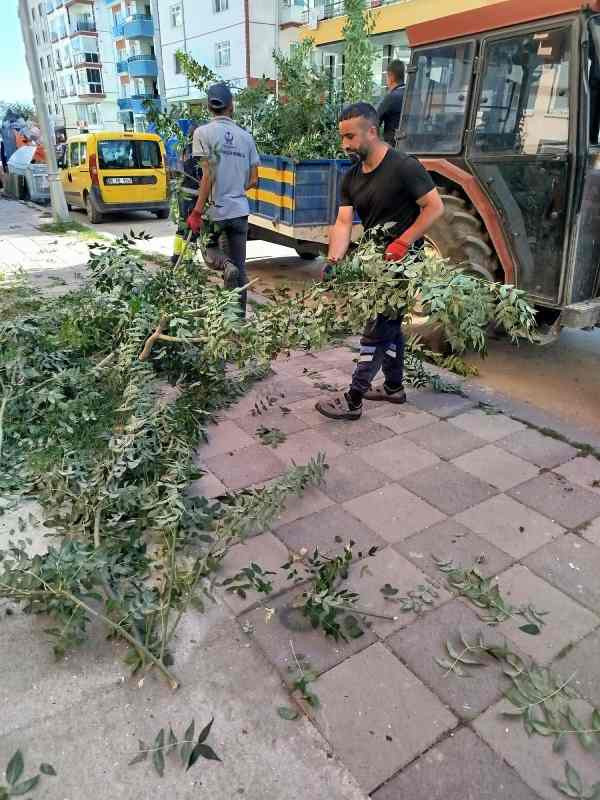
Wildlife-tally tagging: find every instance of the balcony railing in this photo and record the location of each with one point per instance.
(335, 8)
(137, 102)
(82, 60)
(142, 66)
(122, 67)
(83, 26)
(138, 26)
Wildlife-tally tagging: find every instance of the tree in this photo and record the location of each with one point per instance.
(358, 54)
(24, 110)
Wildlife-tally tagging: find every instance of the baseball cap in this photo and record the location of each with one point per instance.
(219, 97)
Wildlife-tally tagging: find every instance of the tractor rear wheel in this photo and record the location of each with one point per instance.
(459, 236)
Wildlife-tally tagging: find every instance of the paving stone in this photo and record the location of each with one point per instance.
(583, 659)
(558, 499)
(445, 440)
(252, 465)
(339, 358)
(373, 691)
(350, 477)
(266, 551)
(330, 377)
(311, 500)
(449, 540)
(448, 488)
(207, 486)
(305, 410)
(567, 621)
(509, 525)
(440, 403)
(544, 451)
(25, 520)
(409, 419)
(388, 566)
(297, 366)
(573, 566)
(299, 448)
(462, 767)
(496, 467)
(275, 418)
(490, 427)
(532, 756)
(226, 437)
(321, 529)
(393, 512)
(280, 390)
(355, 434)
(421, 643)
(288, 624)
(584, 471)
(397, 457)
(591, 531)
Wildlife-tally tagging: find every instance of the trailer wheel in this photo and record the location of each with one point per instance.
(306, 254)
(459, 237)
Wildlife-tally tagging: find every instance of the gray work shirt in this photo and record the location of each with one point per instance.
(232, 152)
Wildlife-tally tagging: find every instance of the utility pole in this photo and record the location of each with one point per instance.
(60, 212)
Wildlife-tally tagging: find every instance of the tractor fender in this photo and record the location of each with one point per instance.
(489, 215)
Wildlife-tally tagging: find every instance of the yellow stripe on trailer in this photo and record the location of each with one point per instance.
(270, 174)
(270, 197)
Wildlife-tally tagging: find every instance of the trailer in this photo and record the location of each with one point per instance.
(296, 202)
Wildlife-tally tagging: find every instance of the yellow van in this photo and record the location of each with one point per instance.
(109, 172)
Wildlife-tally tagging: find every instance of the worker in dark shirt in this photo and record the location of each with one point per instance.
(187, 195)
(384, 185)
(390, 108)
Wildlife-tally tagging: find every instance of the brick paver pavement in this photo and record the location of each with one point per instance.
(441, 476)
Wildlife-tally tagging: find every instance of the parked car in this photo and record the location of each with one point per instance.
(109, 172)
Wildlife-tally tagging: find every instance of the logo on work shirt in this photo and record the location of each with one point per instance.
(228, 138)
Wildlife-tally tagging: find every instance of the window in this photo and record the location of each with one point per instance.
(56, 108)
(42, 63)
(524, 101)
(49, 60)
(176, 15)
(128, 154)
(178, 68)
(33, 14)
(94, 80)
(220, 5)
(436, 99)
(74, 154)
(83, 152)
(222, 54)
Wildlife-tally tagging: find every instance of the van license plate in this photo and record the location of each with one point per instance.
(114, 181)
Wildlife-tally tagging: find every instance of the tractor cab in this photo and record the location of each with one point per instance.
(502, 106)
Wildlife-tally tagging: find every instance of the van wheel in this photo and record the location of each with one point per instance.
(94, 216)
(162, 213)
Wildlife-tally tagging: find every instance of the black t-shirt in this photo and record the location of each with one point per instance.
(390, 111)
(389, 193)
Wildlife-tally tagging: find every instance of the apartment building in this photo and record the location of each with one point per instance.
(235, 38)
(136, 46)
(324, 21)
(76, 56)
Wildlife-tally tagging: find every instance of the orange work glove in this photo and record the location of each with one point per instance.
(195, 221)
(396, 250)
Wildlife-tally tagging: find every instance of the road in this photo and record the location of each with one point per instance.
(562, 378)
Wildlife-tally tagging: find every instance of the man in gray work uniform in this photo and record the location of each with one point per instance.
(229, 161)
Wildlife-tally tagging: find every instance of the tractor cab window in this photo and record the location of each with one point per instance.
(524, 95)
(594, 80)
(436, 99)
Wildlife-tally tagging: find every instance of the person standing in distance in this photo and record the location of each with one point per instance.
(390, 108)
(384, 185)
(229, 162)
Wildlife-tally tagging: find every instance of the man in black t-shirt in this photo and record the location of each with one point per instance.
(390, 108)
(384, 185)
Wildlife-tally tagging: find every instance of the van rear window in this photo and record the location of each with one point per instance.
(128, 154)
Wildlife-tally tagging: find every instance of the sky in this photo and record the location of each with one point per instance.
(14, 77)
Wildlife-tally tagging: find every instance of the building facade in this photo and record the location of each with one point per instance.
(75, 52)
(135, 40)
(324, 22)
(235, 38)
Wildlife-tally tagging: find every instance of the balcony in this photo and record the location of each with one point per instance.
(83, 26)
(143, 66)
(335, 8)
(138, 26)
(86, 60)
(90, 91)
(122, 67)
(292, 12)
(136, 103)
